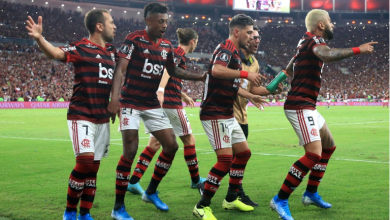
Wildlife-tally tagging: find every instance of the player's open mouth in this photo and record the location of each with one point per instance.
(162, 32)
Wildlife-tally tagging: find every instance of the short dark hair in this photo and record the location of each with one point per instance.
(255, 28)
(155, 7)
(93, 17)
(185, 35)
(240, 21)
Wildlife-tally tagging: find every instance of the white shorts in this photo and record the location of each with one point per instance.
(88, 137)
(386, 101)
(328, 101)
(154, 119)
(306, 123)
(179, 121)
(223, 133)
(345, 100)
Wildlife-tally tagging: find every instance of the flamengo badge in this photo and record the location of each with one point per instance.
(164, 54)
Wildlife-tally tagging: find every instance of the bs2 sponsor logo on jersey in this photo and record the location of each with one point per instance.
(105, 72)
(156, 69)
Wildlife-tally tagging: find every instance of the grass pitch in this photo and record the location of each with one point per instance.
(36, 159)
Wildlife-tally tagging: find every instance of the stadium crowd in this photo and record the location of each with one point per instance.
(37, 78)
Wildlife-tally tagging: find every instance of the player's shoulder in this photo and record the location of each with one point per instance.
(136, 34)
(228, 45)
(179, 51)
(314, 38)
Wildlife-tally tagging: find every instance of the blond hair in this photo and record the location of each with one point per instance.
(314, 17)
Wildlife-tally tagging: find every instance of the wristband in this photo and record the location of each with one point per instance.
(160, 89)
(243, 74)
(356, 50)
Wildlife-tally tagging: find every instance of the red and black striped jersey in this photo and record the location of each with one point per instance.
(220, 94)
(94, 68)
(307, 71)
(147, 61)
(172, 94)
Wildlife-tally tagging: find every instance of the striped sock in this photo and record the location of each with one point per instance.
(296, 174)
(216, 174)
(192, 162)
(237, 169)
(143, 162)
(122, 181)
(161, 168)
(89, 190)
(77, 180)
(318, 171)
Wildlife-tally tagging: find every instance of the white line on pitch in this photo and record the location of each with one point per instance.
(12, 122)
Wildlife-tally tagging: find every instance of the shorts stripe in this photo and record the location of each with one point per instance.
(75, 137)
(183, 122)
(303, 127)
(214, 125)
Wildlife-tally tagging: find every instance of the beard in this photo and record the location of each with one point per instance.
(243, 45)
(329, 33)
(107, 38)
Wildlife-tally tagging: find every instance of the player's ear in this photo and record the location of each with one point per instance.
(99, 27)
(321, 25)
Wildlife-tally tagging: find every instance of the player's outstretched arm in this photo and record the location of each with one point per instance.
(119, 72)
(248, 95)
(223, 72)
(183, 74)
(35, 31)
(263, 91)
(327, 54)
(289, 67)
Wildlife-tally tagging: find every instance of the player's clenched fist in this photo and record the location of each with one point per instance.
(367, 47)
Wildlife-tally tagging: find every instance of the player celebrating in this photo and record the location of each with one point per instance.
(250, 64)
(216, 115)
(143, 57)
(300, 110)
(188, 39)
(88, 119)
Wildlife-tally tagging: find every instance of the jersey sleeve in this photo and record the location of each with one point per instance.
(72, 52)
(179, 61)
(170, 58)
(223, 57)
(127, 47)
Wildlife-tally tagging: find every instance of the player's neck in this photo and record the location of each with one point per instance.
(98, 40)
(186, 48)
(246, 54)
(154, 39)
(317, 32)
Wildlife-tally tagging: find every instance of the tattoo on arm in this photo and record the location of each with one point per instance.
(329, 55)
(183, 74)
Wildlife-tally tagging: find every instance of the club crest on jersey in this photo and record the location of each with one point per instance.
(164, 54)
(113, 57)
(224, 57)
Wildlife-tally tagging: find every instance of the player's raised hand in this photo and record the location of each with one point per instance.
(34, 30)
(367, 47)
(255, 78)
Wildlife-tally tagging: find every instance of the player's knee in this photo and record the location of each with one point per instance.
(188, 140)
(155, 146)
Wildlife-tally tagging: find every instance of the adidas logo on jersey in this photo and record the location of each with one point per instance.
(146, 51)
(98, 56)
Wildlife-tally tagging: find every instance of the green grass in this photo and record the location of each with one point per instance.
(36, 159)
